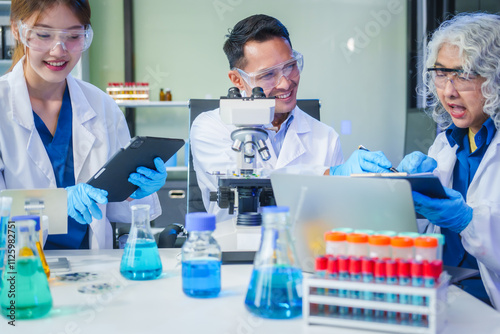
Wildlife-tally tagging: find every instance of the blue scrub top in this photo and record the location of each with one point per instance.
(60, 151)
(465, 168)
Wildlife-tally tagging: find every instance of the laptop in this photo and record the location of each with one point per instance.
(320, 203)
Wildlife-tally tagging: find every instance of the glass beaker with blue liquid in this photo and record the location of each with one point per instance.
(25, 290)
(5, 205)
(141, 259)
(275, 289)
(201, 257)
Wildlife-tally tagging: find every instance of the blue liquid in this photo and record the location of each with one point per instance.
(275, 293)
(3, 242)
(31, 289)
(141, 261)
(201, 278)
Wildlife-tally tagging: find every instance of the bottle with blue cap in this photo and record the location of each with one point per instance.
(201, 257)
(25, 292)
(275, 289)
(141, 259)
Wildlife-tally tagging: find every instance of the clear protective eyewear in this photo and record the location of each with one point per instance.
(270, 77)
(461, 80)
(47, 39)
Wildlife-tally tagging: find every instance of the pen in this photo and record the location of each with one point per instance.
(361, 147)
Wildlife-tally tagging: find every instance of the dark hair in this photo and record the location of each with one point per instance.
(260, 28)
(24, 9)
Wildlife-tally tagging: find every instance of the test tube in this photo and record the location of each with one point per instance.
(380, 246)
(332, 272)
(365, 231)
(426, 248)
(388, 233)
(355, 273)
(380, 278)
(402, 248)
(357, 244)
(432, 271)
(343, 262)
(404, 280)
(320, 272)
(335, 243)
(392, 279)
(367, 270)
(346, 230)
(440, 238)
(417, 280)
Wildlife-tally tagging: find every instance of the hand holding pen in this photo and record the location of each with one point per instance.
(392, 169)
(363, 161)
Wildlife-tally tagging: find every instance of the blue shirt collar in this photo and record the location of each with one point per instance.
(484, 136)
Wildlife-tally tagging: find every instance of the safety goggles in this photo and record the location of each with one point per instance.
(47, 39)
(459, 79)
(270, 77)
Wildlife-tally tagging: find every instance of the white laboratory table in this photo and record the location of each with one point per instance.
(159, 306)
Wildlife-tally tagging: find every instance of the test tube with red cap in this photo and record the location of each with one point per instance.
(432, 271)
(343, 276)
(320, 271)
(367, 270)
(332, 272)
(380, 278)
(417, 280)
(404, 269)
(391, 270)
(355, 273)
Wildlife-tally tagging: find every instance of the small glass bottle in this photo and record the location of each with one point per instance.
(168, 94)
(141, 259)
(24, 280)
(201, 257)
(38, 241)
(162, 95)
(275, 289)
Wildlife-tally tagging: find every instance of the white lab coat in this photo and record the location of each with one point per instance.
(99, 130)
(309, 144)
(481, 237)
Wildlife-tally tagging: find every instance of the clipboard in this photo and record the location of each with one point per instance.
(425, 183)
(141, 151)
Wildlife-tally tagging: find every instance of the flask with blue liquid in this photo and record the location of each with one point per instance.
(275, 289)
(201, 257)
(141, 259)
(25, 292)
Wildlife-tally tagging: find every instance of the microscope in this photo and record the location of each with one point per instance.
(245, 188)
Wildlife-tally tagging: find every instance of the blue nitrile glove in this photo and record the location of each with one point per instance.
(148, 180)
(82, 202)
(452, 212)
(363, 161)
(417, 162)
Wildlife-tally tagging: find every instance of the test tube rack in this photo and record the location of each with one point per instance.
(434, 312)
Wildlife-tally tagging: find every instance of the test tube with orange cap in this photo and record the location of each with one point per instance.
(426, 248)
(357, 244)
(380, 246)
(335, 243)
(402, 248)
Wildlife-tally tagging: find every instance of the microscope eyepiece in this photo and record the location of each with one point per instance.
(258, 93)
(233, 93)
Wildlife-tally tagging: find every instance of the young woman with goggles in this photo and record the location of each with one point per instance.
(57, 131)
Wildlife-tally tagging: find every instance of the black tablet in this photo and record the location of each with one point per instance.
(141, 151)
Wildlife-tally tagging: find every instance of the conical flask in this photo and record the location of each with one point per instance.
(141, 259)
(25, 290)
(275, 289)
(5, 205)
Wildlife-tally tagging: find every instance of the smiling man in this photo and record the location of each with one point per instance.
(260, 54)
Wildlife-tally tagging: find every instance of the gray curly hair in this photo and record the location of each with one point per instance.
(477, 37)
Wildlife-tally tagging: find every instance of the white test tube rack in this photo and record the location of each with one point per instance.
(434, 310)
